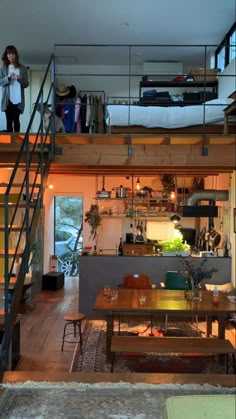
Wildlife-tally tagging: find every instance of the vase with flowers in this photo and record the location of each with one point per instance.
(195, 273)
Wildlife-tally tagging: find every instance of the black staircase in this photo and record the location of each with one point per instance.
(34, 161)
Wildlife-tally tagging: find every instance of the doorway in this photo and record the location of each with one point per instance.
(68, 233)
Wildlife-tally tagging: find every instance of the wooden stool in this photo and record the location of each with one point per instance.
(75, 319)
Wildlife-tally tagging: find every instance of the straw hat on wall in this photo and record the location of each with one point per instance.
(62, 90)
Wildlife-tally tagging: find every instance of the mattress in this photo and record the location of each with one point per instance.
(167, 117)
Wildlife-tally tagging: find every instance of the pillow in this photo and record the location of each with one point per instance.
(223, 287)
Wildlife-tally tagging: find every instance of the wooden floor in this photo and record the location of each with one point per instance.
(42, 329)
(42, 359)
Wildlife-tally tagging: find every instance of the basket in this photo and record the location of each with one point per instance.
(204, 74)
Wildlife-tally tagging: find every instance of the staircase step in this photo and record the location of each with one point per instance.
(11, 252)
(11, 285)
(18, 185)
(22, 204)
(14, 227)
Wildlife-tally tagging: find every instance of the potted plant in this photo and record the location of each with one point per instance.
(196, 274)
(175, 247)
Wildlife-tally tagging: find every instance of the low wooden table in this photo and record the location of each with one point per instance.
(162, 302)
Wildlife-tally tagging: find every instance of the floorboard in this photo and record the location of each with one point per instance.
(42, 329)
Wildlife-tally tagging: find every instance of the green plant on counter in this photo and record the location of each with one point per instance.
(175, 245)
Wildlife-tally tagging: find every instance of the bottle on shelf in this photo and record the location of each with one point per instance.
(120, 248)
(215, 295)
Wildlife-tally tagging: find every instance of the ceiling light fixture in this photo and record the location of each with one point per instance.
(175, 218)
(138, 184)
(50, 186)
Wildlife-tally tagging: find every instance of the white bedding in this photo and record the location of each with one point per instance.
(167, 117)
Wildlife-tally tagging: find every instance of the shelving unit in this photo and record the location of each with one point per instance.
(213, 85)
(135, 207)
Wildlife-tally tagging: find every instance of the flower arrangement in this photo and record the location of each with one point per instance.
(196, 273)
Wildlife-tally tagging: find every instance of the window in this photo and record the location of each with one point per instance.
(221, 59)
(226, 51)
(232, 46)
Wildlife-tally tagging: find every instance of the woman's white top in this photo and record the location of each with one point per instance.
(14, 88)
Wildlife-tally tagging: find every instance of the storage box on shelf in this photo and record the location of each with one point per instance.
(204, 74)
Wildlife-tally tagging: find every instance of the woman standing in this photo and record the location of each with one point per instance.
(13, 79)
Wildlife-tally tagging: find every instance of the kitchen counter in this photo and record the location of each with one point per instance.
(97, 271)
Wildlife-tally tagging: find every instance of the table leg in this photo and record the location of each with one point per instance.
(110, 327)
(208, 326)
(221, 326)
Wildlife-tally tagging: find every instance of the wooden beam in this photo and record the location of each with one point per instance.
(138, 170)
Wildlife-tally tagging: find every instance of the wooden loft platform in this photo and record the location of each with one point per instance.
(118, 154)
(122, 139)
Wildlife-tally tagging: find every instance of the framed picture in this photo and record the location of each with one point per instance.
(234, 218)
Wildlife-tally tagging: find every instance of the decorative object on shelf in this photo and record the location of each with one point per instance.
(93, 218)
(204, 74)
(168, 183)
(196, 274)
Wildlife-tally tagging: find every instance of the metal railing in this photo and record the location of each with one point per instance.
(34, 158)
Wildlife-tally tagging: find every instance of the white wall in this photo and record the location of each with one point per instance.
(227, 80)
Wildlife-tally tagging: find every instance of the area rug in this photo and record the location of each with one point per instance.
(93, 358)
(90, 401)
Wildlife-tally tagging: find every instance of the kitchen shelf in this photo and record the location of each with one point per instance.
(141, 216)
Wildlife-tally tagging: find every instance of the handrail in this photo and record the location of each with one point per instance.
(29, 197)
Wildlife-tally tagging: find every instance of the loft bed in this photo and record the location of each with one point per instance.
(207, 118)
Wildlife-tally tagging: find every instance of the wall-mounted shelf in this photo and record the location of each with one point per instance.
(136, 207)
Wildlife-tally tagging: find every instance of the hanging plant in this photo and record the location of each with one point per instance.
(168, 182)
(93, 218)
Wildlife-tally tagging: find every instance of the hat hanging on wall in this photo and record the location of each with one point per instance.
(62, 90)
(72, 91)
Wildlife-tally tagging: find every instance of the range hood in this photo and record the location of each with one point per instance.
(210, 211)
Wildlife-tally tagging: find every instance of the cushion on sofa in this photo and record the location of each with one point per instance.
(200, 407)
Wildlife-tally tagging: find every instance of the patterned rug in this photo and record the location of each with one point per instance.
(93, 358)
(94, 401)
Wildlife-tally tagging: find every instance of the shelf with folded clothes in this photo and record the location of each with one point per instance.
(152, 97)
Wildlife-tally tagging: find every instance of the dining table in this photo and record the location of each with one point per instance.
(155, 303)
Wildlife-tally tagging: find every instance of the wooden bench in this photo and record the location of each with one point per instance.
(173, 345)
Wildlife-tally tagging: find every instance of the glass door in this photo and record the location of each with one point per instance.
(68, 233)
